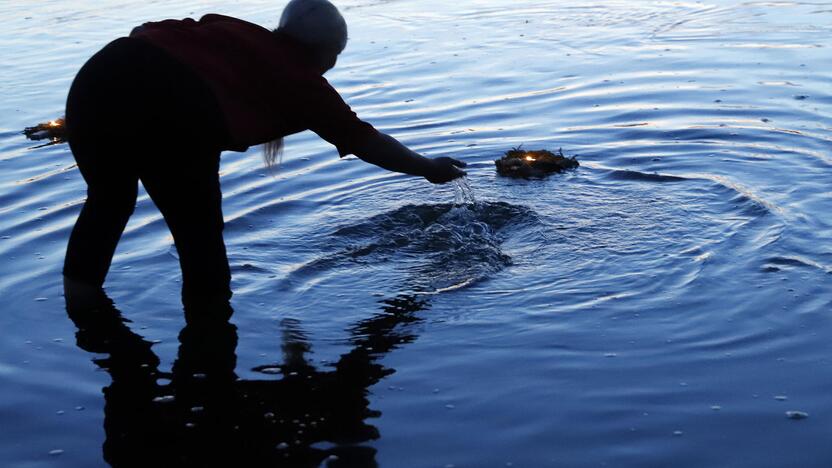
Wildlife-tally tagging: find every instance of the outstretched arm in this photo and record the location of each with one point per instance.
(388, 153)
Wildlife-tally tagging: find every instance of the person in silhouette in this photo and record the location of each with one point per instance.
(161, 105)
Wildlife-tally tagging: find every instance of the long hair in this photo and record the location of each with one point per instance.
(273, 153)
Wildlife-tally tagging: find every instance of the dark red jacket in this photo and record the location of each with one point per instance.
(263, 81)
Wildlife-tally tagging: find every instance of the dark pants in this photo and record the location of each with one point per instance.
(136, 114)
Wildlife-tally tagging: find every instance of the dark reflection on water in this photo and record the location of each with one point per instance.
(201, 413)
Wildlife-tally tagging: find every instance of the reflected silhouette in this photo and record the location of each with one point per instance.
(202, 414)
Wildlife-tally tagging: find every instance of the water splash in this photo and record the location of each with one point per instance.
(463, 193)
(433, 248)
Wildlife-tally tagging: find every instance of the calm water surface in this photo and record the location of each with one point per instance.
(663, 305)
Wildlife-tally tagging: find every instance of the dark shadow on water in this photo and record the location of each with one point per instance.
(202, 414)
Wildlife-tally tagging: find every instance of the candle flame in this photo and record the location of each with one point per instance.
(53, 123)
(529, 158)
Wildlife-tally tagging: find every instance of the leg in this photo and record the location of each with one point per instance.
(187, 192)
(93, 118)
(111, 199)
(162, 117)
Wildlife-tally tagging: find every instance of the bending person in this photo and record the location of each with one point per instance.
(161, 105)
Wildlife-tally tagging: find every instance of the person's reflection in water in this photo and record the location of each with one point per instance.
(202, 414)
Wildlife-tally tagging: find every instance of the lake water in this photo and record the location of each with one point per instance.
(665, 304)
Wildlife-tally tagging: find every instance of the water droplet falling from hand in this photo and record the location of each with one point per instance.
(463, 193)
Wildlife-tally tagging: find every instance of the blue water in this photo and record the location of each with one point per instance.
(665, 304)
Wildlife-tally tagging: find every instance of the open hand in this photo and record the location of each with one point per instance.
(444, 169)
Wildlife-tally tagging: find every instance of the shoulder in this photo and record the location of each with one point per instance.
(210, 20)
(217, 17)
(214, 18)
